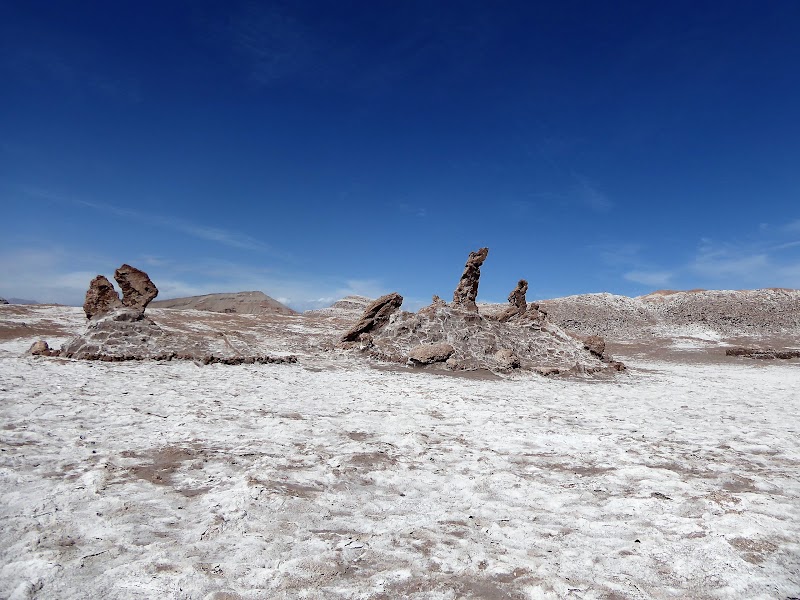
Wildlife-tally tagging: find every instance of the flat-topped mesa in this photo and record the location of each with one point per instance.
(137, 288)
(375, 316)
(467, 291)
(101, 298)
(517, 300)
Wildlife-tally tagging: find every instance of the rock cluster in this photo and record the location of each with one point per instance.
(467, 290)
(3, 301)
(118, 330)
(137, 292)
(457, 337)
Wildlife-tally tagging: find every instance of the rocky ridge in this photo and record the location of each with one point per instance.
(724, 312)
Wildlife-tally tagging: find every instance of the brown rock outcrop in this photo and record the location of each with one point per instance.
(763, 353)
(596, 345)
(375, 316)
(427, 354)
(101, 298)
(467, 291)
(137, 288)
(517, 300)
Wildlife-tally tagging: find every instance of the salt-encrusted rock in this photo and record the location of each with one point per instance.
(467, 291)
(517, 300)
(101, 298)
(506, 359)
(3, 301)
(427, 354)
(596, 345)
(375, 317)
(137, 288)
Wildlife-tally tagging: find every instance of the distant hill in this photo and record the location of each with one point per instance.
(728, 312)
(20, 301)
(243, 303)
(349, 307)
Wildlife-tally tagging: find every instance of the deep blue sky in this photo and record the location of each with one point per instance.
(316, 149)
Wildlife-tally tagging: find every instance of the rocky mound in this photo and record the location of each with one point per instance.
(119, 330)
(727, 313)
(243, 303)
(457, 337)
(3, 301)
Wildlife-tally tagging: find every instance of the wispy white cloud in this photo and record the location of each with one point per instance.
(792, 227)
(650, 278)
(418, 211)
(590, 194)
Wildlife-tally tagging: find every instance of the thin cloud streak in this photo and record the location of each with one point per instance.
(229, 238)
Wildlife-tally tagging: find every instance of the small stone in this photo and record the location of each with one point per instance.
(506, 359)
(427, 354)
(40, 348)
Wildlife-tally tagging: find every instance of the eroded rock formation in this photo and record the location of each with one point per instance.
(517, 301)
(467, 291)
(118, 330)
(101, 298)
(3, 301)
(375, 316)
(458, 337)
(137, 288)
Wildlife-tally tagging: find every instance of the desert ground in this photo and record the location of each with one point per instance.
(339, 477)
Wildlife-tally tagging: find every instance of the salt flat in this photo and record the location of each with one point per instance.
(331, 479)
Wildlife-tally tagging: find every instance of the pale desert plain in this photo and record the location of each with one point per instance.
(339, 476)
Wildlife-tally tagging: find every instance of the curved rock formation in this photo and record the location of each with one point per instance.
(137, 288)
(101, 298)
(467, 291)
(375, 317)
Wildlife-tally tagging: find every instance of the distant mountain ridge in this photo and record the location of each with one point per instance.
(243, 303)
(728, 312)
